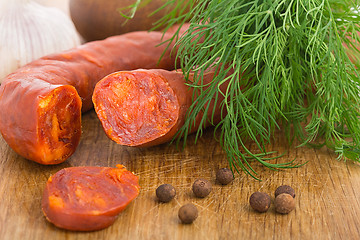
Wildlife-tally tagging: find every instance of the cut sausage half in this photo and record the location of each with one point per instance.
(147, 107)
(136, 107)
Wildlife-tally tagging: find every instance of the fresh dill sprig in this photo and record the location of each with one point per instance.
(291, 69)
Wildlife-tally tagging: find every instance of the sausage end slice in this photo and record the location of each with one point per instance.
(88, 198)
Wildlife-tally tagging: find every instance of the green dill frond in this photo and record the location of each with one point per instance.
(289, 67)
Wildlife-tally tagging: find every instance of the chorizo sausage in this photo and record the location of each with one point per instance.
(88, 198)
(41, 103)
(146, 107)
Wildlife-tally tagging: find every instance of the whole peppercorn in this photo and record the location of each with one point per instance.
(284, 203)
(188, 213)
(165, 192)
(201, 188)
(224, 176)
(285, 189)
(260, 201)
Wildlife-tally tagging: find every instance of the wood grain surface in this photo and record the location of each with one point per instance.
(327, 193)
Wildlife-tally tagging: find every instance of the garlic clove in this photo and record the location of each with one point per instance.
(29, 31)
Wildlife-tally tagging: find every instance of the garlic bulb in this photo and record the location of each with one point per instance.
(29, 31)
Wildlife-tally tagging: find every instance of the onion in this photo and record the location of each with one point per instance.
(99, 19)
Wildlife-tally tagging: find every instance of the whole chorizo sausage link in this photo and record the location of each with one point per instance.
(41, 102)
(147, 107)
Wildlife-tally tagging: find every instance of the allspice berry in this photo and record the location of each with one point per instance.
(188, 213)
(284, 203)
(260, 201)
(201, 188)
(285, 189)
(165, 193)
(224, 176)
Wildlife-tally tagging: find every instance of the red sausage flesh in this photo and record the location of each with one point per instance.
(145, 107)
(88, 198)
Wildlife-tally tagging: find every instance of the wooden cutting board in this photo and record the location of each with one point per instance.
(327, 193)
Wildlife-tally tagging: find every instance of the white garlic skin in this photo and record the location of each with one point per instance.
(29, 31)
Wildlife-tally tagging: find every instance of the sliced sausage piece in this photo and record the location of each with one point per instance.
(41, 103)
(146, 107)
(88, 198)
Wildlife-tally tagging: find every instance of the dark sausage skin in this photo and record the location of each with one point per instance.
(88, 198)
(146, 107)
(41, 103)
